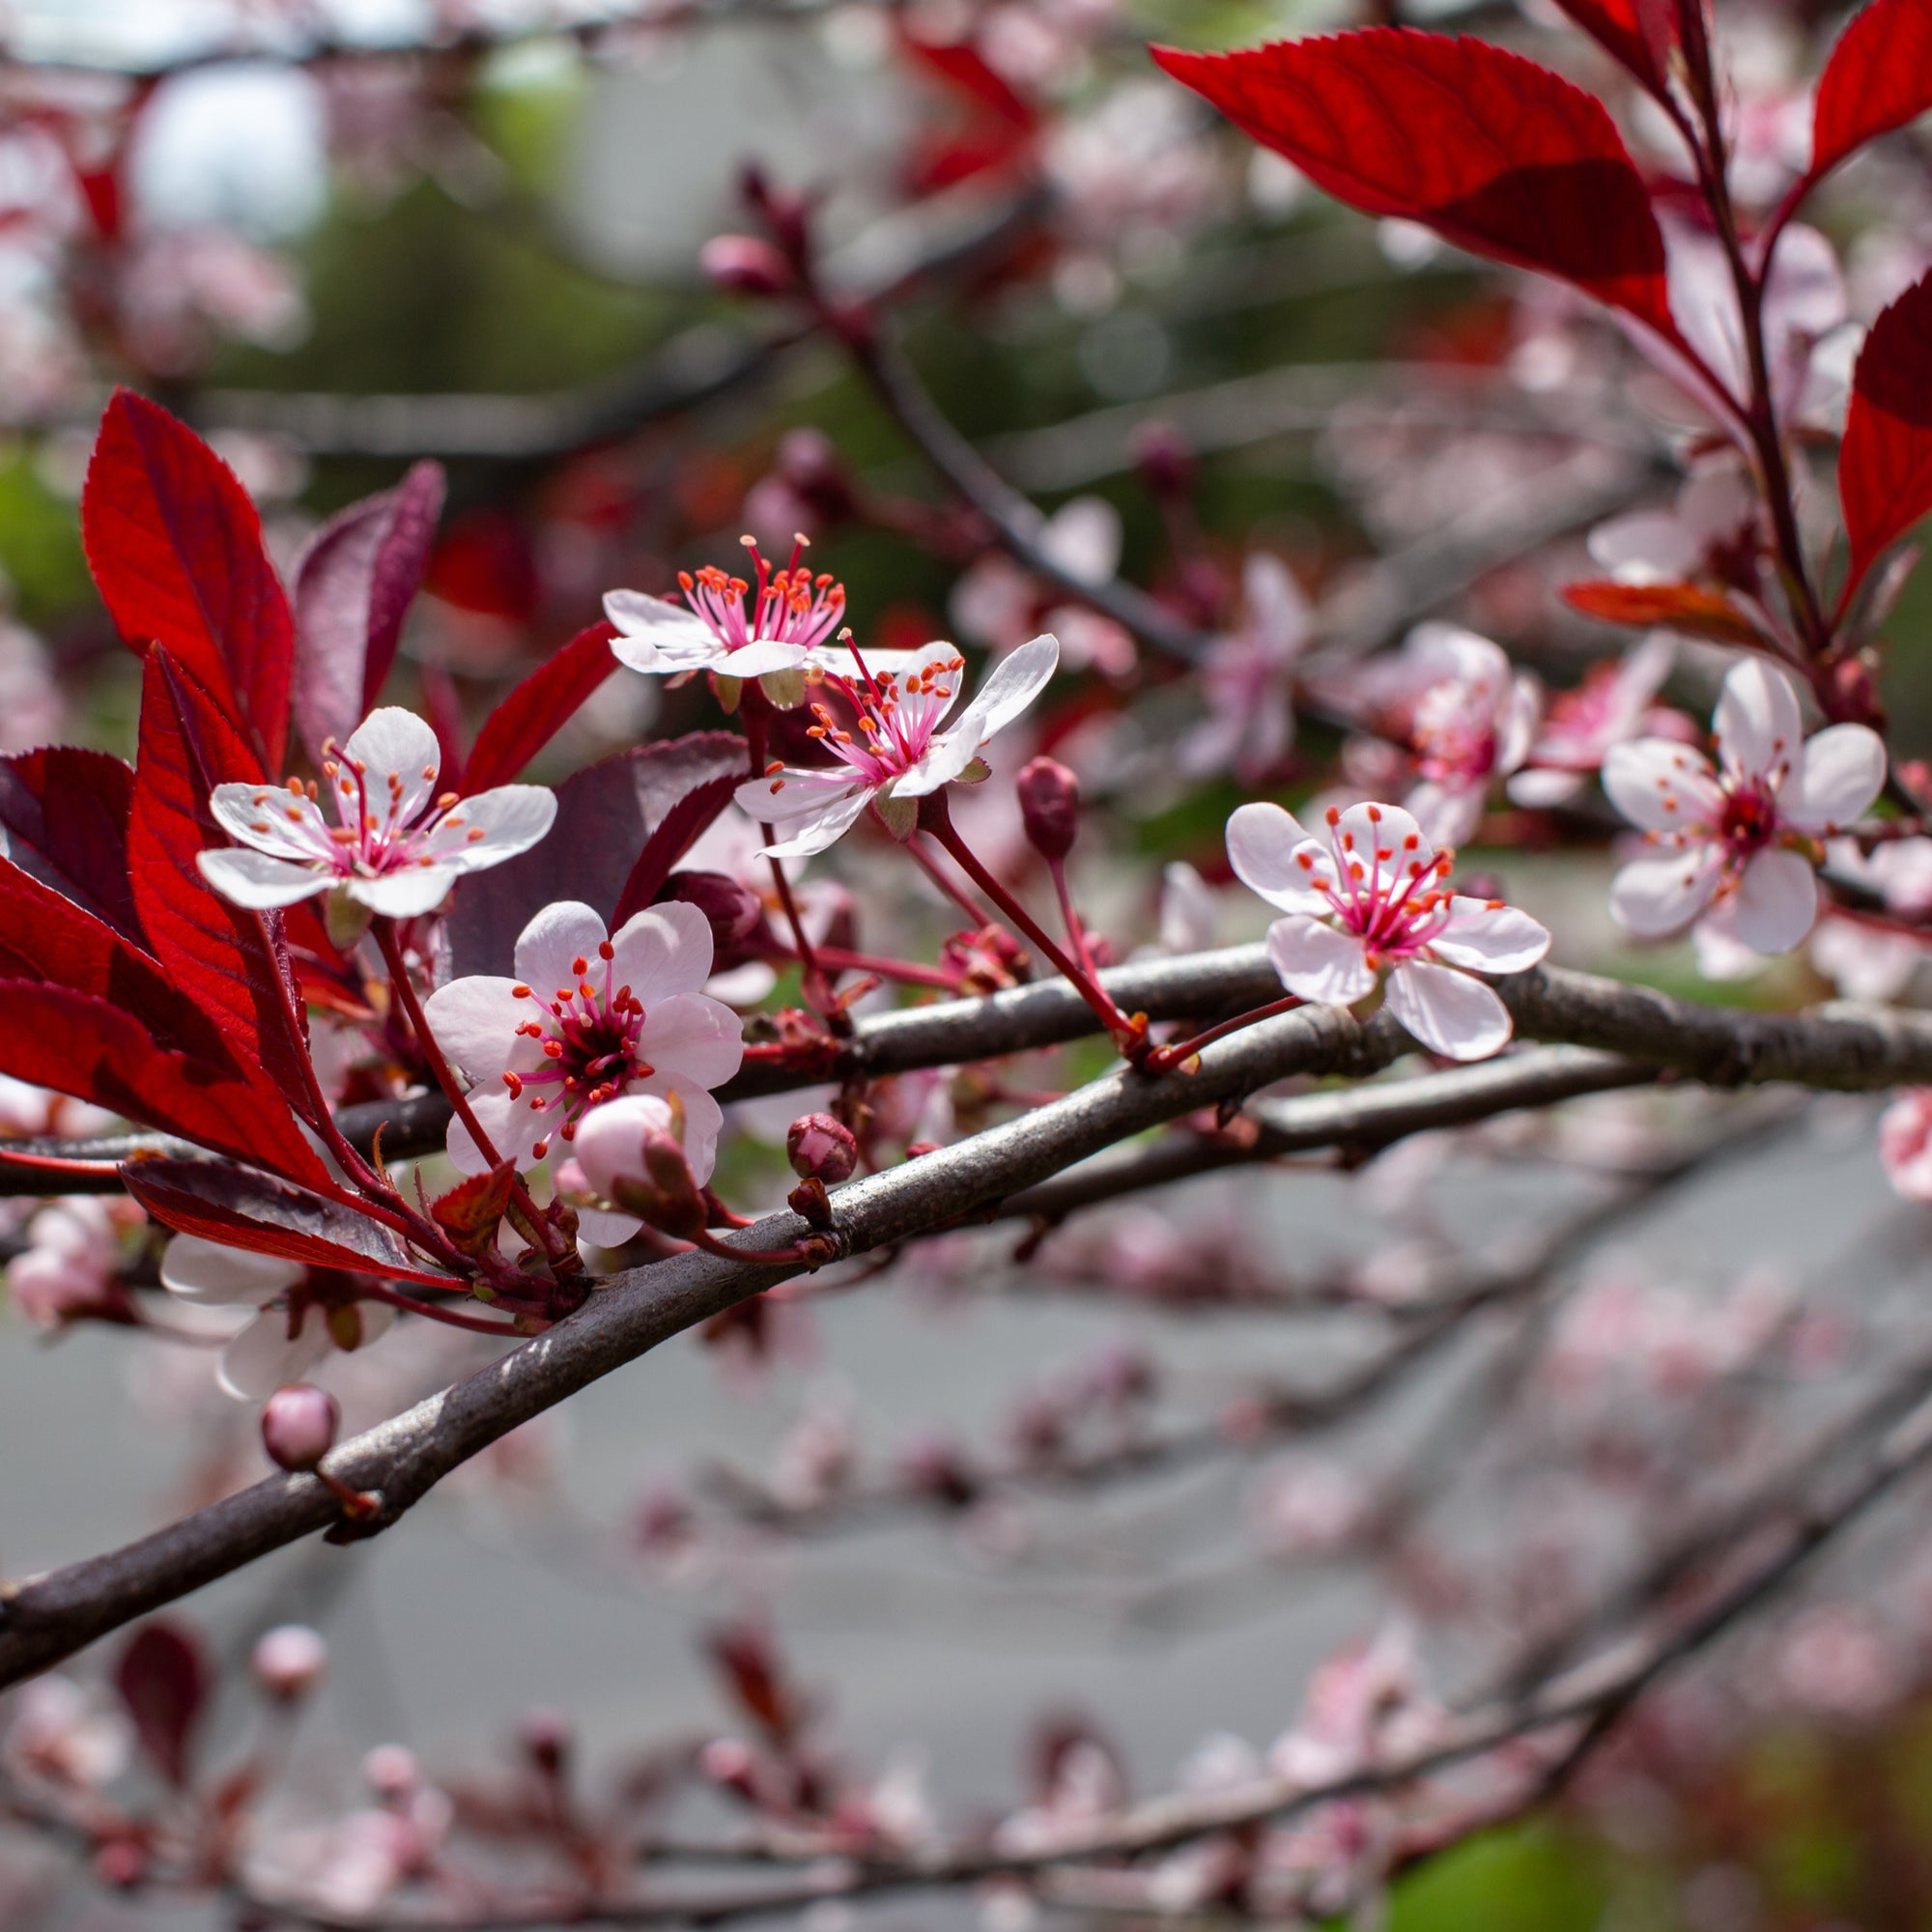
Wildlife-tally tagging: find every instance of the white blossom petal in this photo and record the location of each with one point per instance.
(1660, 785)
(394, 743)
(824, 824)
(259, 1359)
(408, 893)
(1776, 901)
(1263, 847)
(512, 818)
(549, 948)
(1315, 962)
(213, 1275)
(1665, 890)
(663, 951)
(1490, 938)
(475, 1020)
(1839, 776)
(655, 635)
(1448, 1012)
(255, 880)
(1448, 813)
(688, 1033)
(258, 816)
(1757, 722)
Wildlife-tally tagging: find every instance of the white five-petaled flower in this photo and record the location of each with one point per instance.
(1734, 842)
(587, 1018)
(295, 1327)
(1367, 896)
(396, 847)
(896, 750)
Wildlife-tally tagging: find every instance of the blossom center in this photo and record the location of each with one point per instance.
(1747, 820)
(786, 607)
(1387, 895)
(588, 1033)
(896, 720)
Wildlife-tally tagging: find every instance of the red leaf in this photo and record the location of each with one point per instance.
(250, 1211)
(1630, 32)
(1494, 153)
(64, 820)
(164, 1680)
(93, 1048)
(354, 584)
(678, 830)
(1885, 463)
(1690, 607)
(228, 959)
(473, 1210)
(604, 815)
(539, 707)
(1878, 78)
(176, 548)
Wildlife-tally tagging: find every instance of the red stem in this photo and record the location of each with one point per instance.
(1162, 1058)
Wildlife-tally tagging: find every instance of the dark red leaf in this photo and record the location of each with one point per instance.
(1494, 153)
(354, 586)
(165, 1681)
(175, 549)
(605, 815)
(677, 832)
(539, 707)
(1885, 463)
(473, 1210)
(230, 960)
(250, 1210)
(63, 819)
(1690, 607)
(1878, 78)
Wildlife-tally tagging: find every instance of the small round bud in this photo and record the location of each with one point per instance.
(391, 1771)
(299, 1425)
(288, 1661)
(821, 1149)
(545, 1735)
(745, 266)
(1049, 807)
(734, 910)
(630, 1153)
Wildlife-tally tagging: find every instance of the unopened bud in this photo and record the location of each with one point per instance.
(734, 910)
(288, 1661)
(1163, 461)
(1049, 807)
(745, 266)
(810, 463)
(299, 1425)
(545, 1735)
(821, 1149)
(630, 1153)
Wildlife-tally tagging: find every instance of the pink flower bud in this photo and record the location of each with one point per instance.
(546, 1738)
(1163, 461)
(299, 1425)
(1049, 807)
(288, 1661)
(745, 266)
(734, 910)
(631, 1156)
(821, 1149)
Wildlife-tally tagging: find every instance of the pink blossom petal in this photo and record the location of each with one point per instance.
(1447, 814)
(1382, 828)
(1662, 786)
(1757, 722)
(514, 1128)
(1315, 962)
(1448, 1012)
(1010, 686)
(256, 880)
(1777, 902)
(703, 1119)
(690, 1035)
(1492, 938)
(663, 951)
(1665, 891)
(564, 932)
(1262, 845)
(609, 1141)
(656, 635)
(824, 824)
(603, 1229)
(1839, 776)
(476, 1021)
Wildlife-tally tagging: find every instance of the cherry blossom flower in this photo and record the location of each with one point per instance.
(1367, 897)
(897, 752)
(396, 848)
(301, 1316)
(1249, 677)
(589, 1017)
(730, 626)
(1611, 705)
(61, 1738)
(68, 1270)
(1905, 1143)
(1735, 842)
(1464, 714)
